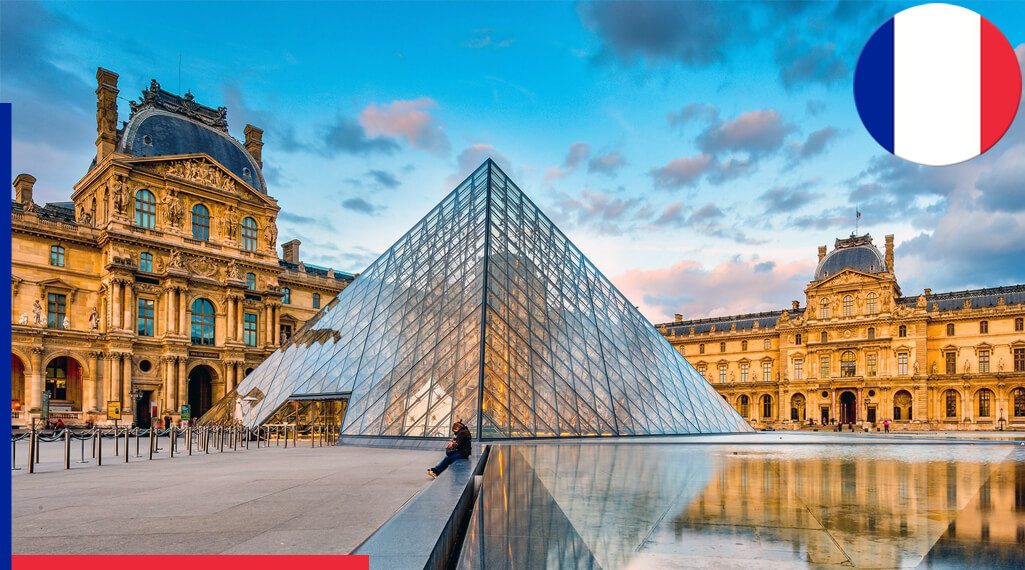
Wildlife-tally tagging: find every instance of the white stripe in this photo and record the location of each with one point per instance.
(936, 86)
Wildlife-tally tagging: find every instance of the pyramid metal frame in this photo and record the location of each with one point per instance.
(485, 312)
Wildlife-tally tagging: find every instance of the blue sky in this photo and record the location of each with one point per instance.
(697, 152)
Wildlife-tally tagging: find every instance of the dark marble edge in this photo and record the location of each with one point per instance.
(427, 531)
(828, 438)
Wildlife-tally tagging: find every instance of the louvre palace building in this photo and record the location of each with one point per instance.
(158, 283)
(861, 352)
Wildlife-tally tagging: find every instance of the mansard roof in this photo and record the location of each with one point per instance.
(954, 300)
(725, 323)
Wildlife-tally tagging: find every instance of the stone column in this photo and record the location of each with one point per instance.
(90, 396)
(129, 301)
(115, 304)
(35, 380)
(126, 381)
(229, 333)
(183, 324)
(183, 390)
(229, 372)
(170, 309)
(276, 327)
(268, 323)
(240, 316)
(169, 369)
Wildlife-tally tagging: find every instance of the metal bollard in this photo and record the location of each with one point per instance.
(82, 440)
(170, 444)
(188, 439)
(116, 443)
(248, 436)
(99, 448)
(32, 448)
(126, 444)
(286, 436)
(137, 454)
(152, 443)
(206, 443)
(67, 448)
(220, 438)
(14, 456)
(295, 434)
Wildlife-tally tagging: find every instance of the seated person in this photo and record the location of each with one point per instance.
(459, 448)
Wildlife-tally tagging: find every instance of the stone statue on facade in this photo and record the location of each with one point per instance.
(1000, 365)
(921, 303)
(270, 232)
(172, 208)
(66, 324)
(232, 270)
(37, 314)
(94, 319)
(176, 261)
(230, 226)
(23, 320)
(84, 217)
(933, 369)
(967, 366)
(914, 368)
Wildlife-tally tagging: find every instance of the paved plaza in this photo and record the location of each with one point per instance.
(302, 500)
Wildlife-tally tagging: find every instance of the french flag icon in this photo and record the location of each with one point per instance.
(937, 84)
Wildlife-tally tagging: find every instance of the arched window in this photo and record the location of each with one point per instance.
(871, 333)
(722, 347)
(767, 406)
(743, 345)
(872, 303)
(950, 402)
(797, 339)
(744, 406)
(249, 234)
(950, 329)
(902, 406)
(316, 300)
(56, 256)
(902, 331)
(983, 327)
(985, 399)
(1019, 324)
(1018, 402)
(251, 281)
(200, 223)
(797, 405)
(203, 322)
(145, 209)
(848, 364)
(286, 296)
(824, 308)
(825, 336)
(848, 306)
(146, 262)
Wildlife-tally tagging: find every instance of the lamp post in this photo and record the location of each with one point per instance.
(136, 395)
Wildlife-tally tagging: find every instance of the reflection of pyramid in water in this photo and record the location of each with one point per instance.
(565, 354)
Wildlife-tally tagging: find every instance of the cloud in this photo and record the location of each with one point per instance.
(681, 171)
(814, 108)
(788, 199)
(278, 135)
(471, 157)
(607, 164)
(298, 221)
(600, 211)
(1003, 187)
(693, 33)
(348, 136)
(578, 153)
(755, 132)
(362, 206)
(485, 38)
(383, 178)
(804, 64)
(410, 120)
(816, 144)
(358, 259)
(694, 111)
(731, 287)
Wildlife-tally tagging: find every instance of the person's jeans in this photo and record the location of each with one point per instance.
(448, 461)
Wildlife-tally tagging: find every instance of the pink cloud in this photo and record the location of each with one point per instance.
(410, 120)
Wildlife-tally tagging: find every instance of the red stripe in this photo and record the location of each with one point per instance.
(219, 562)
(1001, 85)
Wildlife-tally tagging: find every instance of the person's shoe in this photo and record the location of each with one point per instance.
(432, 473)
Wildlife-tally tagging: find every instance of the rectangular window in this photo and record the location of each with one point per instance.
(56, 310)
(870, 363)
(249, 330)
(722, 373)
(767, 372)
(767, 344)
(1019, 360)
(985, 403)
(251, 281)
(146, 262)
(146, 317)
(798, 368)
(745, 375)
(983, 361)
(950, 359)
(56, 256)
(823, 367)
(702, 370)
(316, 300)
(902, 364)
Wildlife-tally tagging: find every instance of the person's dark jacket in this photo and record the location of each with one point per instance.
(463, 442)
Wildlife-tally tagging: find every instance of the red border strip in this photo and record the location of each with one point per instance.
(220, 562)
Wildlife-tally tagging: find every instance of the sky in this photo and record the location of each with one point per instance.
(697, 152)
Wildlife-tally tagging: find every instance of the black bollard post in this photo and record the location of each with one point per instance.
(116, 446)
(170, 444)
(94, 443)
(126, 444)
(220, 439)
(206, 442)
(188, 439)
(248, 435)
(152, 443)
(99, 447)
(137, 454)
(14, 455)
(286, 436)
(67, 448)
(32, 448)
(295, 434)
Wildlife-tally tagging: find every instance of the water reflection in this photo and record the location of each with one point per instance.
(630, 505)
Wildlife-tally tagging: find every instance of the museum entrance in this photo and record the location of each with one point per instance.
(848, 408)
(200, 390)
(321, 415)
(142, 412)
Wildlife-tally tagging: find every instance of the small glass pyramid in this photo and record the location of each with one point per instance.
(564, 353)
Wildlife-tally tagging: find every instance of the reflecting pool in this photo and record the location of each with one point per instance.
(631, 504)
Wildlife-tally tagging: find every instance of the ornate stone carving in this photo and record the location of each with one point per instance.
(233, 270)
(270, 232)
(37, 314)
(94, 319)
(83, 217)
(23, 320)
(920, 303)
(118, 189)
(66, 324)
(201, 266)
(173, 209)
(967, 304)
(229, 228)
(185, 105)
(201, 172)
(175, 261)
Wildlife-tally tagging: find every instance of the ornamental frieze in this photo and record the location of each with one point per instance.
(201, 172)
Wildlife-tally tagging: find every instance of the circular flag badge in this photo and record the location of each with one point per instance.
(937, 84)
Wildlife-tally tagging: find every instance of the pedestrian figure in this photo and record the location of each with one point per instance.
(886, 426)
(459, 448)
(167, 421)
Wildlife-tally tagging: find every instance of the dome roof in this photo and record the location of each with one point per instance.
(856, 253)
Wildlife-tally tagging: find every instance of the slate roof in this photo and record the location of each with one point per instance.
(317, 270)
(954, 300)
(60, 211)
(743, 322)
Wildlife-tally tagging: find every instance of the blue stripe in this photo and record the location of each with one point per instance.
(873, 85)
(5, 303)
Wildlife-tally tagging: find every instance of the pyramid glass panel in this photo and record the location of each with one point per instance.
(485, 312)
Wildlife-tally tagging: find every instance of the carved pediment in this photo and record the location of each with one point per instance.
(57, 285)
(201, 170)
(847, 277)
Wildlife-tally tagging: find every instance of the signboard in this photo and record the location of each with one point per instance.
(45, 413)
(114, 410)
(200, 354)
(186, 412)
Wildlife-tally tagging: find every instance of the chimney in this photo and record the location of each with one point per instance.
(822, 252)
(797, 305)
(290, 251)
(106, 113)
(254, 143)
(678, 318)
(889, 253)
(23, 188)
(928, 291)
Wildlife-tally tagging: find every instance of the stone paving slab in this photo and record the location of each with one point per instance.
(302, 500)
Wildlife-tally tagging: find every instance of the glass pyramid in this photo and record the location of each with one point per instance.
(563, 353)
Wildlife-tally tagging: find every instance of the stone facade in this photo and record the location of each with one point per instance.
(859, 352)
(159, 283)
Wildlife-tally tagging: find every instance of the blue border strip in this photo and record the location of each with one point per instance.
(5, 228)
